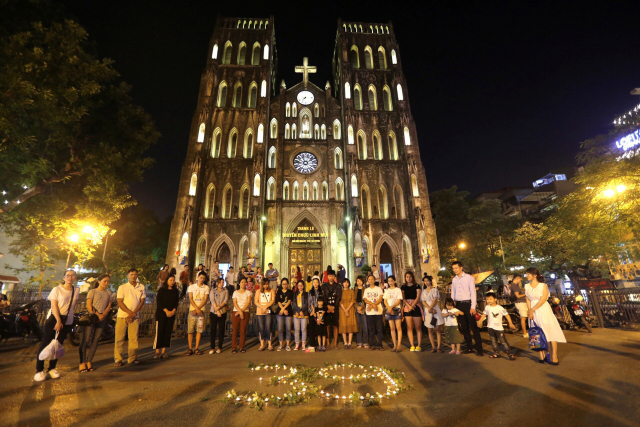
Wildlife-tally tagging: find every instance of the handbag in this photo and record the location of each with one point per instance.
(88, 319)
(537, 339)
(434, 320)
(53, 351)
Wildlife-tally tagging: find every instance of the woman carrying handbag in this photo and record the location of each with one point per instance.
(59, 321)
(98, 307)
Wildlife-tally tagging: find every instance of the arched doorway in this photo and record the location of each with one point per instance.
(223, 257)
(305, 250)
(386, 261)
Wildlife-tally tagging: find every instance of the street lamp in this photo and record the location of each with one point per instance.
(462, 245)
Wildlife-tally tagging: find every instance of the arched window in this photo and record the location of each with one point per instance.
(296, 190)
(393, 146)
(357, 97)
(373, 100)
(256, 185)
(271, 162)
(347, 91)
(338, 158)
(237, 95)
(294, 131)
(184, 245)
(266, 50)
(323, 132)
(365, 202)
(294, 110)
(382, 58)
(315, 190)
(226, 57)
(350, 134)
(398, 203)
(247, 151)
(305, 191)
(316, 132)
(408, 256)
(354, 57)
(214, 52)
(407, 136)
(377, 146)
(274, 129)
(242, 53)
(422, 242)
(287, 131)
(260, 133)
(263, 89)
(253, 95)
(217, 141)
(271, 189)
(316, 110)
(232, 144)
(414, 186)
(285, 190)
(201, 250)
(201, 133)
(383, 203)
(222, 94)
(210, 201)
(394, 60)
(255, 55)
(336, 129)
(193, 185)
(244, 202)
(368, 58)
(354, 186)
(325, 190)
(386, 98)
(287, 110)
(227, 199)
(362, 145)
(400, 95)
(339, 189)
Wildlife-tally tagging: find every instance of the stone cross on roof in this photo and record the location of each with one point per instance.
(305, 69)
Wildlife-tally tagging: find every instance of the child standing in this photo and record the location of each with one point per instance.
(494, 313)
(451, 333)
(318, 324)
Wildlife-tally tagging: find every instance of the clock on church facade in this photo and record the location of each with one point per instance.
(308, 175)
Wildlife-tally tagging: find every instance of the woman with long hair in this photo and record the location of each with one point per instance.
(99, 303)
(166, 307)
(218, 314)
(431, 308)
(284, 298)
(348, 324)
(314, 294)
(393, 301)
(362, 336)
(412, 309)
(240, 318)
(300, 315)
(541, 313)
(265, 297)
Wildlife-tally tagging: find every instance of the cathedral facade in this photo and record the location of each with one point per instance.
(304, 177)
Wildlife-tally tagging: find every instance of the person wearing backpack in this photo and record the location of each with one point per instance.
(59, 322)
(541, 313)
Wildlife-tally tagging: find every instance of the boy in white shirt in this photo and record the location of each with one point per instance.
(494, 313)
(198, 294)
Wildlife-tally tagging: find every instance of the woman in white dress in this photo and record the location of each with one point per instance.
(430, 297)
(540, 312)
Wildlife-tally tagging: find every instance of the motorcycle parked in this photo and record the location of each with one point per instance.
(579, 314)
(24, 324)
(556, 307)
(108, 333)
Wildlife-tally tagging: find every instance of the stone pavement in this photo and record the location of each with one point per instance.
(596, 384)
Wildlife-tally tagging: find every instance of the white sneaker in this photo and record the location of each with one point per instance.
(211, 351)
(40, 376)
(54, 373)
(525, 335)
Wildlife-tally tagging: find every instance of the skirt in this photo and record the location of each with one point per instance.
(452, 335)
(164, 329)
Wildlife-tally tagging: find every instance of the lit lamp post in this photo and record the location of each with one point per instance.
(462, 245)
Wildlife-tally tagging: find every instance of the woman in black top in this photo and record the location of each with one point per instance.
(314, 293)
(412, 308)
(167, 304)
(284, 298)
(362, 336)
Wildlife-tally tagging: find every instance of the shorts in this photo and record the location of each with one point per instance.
(452, 335)
(194, 325)
(523, 309)
(413, 313)
(393, 316)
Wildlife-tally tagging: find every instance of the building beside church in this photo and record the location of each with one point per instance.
(304, 176)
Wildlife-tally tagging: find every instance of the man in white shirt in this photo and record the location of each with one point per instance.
(131, 297)
(272, 276)
(463, 292)
(198, 294)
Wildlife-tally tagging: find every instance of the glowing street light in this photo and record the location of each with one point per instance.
(621, 188)
(462, 245)
(87, 229)
(74, 238)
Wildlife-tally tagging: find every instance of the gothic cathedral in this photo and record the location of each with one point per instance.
(305, 176)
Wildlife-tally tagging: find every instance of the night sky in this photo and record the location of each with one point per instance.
(501, 94)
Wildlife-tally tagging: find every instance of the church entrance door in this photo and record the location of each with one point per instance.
(305, 251)
(386, 261)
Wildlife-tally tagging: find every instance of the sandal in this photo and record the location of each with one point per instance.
(198, 352)
(118, 364)
(234, 351)
(243, 351)
(438, 351)
(135, 362)
(189, 353)
(494, 356)
(433, 350)
(91, 369)
(512, 357)
(83, 370)
(165, 356)
(157, 356)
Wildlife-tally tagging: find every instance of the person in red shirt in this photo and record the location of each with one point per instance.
(184, 280)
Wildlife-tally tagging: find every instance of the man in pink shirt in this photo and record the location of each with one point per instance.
(463, 292)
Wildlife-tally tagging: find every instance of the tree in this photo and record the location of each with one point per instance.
(449, 208)
(71, 140)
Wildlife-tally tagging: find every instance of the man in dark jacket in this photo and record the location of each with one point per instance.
(332, 292)
(342, 274)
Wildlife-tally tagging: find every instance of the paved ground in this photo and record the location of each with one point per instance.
(596, 384)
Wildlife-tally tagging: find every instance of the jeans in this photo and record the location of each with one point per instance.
(123, 327)
(498, 336)
(362, 336)
(374, 327)
(300, 324)
(282, 321)
(468, 321)
(89, 340)
(48, 335)
(264, 326)
(219, 323)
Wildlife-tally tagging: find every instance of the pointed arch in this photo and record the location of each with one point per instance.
(377, 145)
(373, 98)
(316, 110)
(285, 190)
(222, 240)
(271, 159)
(294, 131)
(217, 141)
(227, 201)
(256, 185)
(209, 205)
(247, 150)
(366, 253)
(226, 56)
(287, 131)
(382, 58)
(253, 95)
(201, 130)
(347, 91)
(287, 110)
(365, 202)
(266, 48)
(305, 190)
(357, 97)
(242, 53)
(296, 190)
(193, 184)
(394, 59)
(362, 145)
(414, 186)
(184, 245)
(323, 132)
(294, 110)
(407, 252)
(336, 129)
(400, 94)
(242, 252)
(407, 136)
(398, 203)
(237, 95)
(385, 238)
(350, 139)
(354, 186)
(354, 57)
(315, 190)
(243, 212)
(325, 190)
(338, 162)
(255, 54)
(368, 58)
(316, 131)
(222, 94)
(387, 99)
(271, 189)
(260, 133)
(393, 146)
(201, 250)
(273, 129)
(383, 203)
(339, 189)
(214, 51)
(233, 143)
